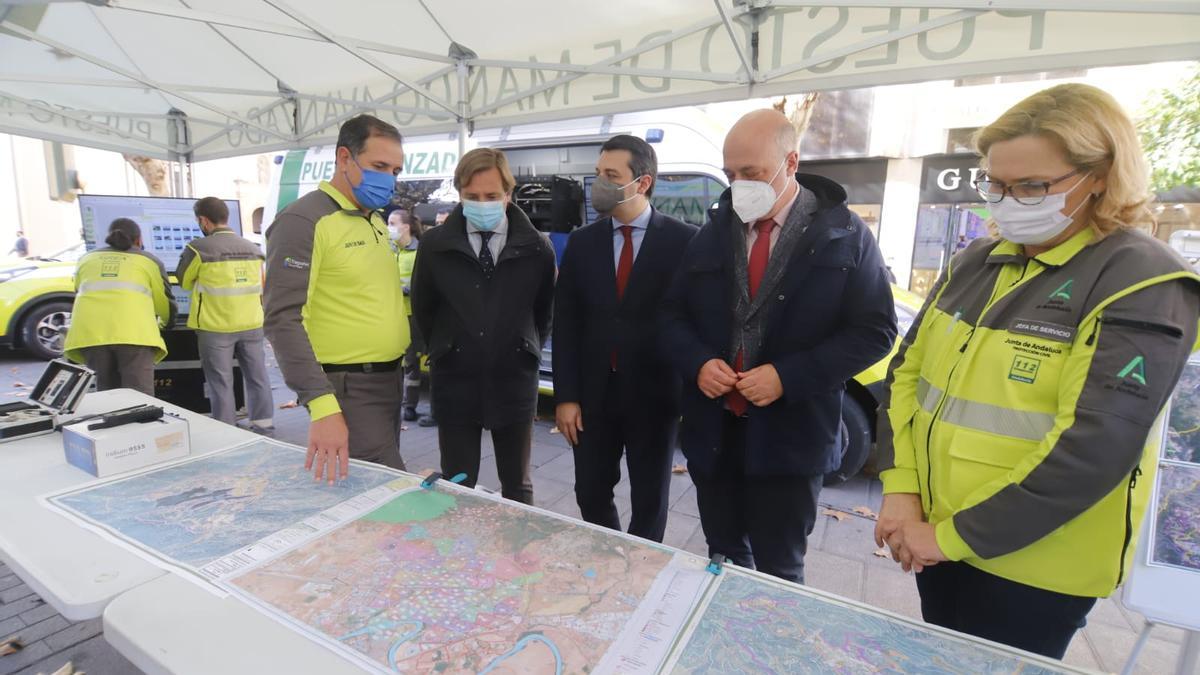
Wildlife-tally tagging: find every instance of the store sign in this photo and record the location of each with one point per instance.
(950, 180)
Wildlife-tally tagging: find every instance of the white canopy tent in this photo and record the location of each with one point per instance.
(201, 79)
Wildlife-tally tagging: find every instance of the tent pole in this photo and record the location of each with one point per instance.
(463, 126)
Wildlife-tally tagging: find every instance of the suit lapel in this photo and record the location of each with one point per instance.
(794, 236)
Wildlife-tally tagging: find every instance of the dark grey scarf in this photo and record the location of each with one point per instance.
(749, 322)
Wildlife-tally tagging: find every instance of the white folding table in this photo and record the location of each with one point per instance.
(173, 625)
(77, 571)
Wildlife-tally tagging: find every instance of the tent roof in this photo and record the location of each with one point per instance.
(202, 79)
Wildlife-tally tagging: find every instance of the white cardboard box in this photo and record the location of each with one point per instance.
(105, 452)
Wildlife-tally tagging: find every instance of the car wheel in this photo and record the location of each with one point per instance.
(44, 329)
(857, 427)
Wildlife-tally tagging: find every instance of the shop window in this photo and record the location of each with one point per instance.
(942, 231)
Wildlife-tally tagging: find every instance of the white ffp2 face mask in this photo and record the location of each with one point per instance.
(1037, 224)
(753, 199)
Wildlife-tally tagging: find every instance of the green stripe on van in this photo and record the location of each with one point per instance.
(289, 178)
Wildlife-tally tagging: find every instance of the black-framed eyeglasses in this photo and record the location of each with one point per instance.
(1030, 194)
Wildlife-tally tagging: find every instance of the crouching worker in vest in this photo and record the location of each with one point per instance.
(122, 300)
(1023, 411)
(224, 273)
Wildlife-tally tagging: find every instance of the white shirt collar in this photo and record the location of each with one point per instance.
(641, 222)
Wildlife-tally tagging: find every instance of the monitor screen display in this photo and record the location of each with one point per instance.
(167, 223)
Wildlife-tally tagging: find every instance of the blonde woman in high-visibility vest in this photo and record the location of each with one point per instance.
(1021, 425)
(122, 300)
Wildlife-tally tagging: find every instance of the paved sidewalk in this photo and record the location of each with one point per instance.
(841, 556)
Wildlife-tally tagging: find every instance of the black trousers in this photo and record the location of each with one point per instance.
(757, 522)
(460, 448)
(963, 598)
(646, 440)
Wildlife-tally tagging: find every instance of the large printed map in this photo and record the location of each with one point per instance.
(1183, 431)
(448, 582)
(1176, 540)
(759, 626)
(200, 510)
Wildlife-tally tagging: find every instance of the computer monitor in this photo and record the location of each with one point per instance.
(167, 224)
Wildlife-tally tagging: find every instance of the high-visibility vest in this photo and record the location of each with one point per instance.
(1025, 404)
(121, 298)
(407, 258)
(224, 273)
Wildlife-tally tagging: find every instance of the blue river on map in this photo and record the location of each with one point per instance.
(522, 644)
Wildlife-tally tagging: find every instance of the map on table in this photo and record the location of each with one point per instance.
(200, 510)
(1183, 429)
(1175, 530)
(756, 625)
(450, 581)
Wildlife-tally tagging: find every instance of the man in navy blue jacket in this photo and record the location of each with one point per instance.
(779, 300)
(615, 393)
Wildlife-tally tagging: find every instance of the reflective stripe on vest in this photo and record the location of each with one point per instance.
(928, 395)
(89, 286)
(238, 290)
(985, 417)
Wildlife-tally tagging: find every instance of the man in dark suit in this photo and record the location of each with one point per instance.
(780, 299)
(615, 392)
(482, 292)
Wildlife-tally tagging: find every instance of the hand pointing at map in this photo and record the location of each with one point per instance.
(328, 448)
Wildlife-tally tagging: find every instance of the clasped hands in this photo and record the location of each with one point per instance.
(901, 525)
(760, 386)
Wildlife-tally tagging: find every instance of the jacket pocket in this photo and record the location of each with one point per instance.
(438, 348)
(977, 459)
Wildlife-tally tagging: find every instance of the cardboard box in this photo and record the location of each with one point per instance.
(104, 452)
(57, 393)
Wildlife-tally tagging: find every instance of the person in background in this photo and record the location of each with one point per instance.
(1015, 434)
(615, 394)
(223, 271)
(21, 246)
(779, 301)
(334, 303)
(482, 293)
(405, 230)
(122, 301)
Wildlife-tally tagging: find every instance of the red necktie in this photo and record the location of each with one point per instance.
(624, 268)
(760, 253)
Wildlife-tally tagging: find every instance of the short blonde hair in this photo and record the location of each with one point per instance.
(482, 159)
(1095, 135)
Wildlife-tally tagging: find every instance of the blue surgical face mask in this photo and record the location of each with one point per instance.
(484, 216)
(376, 188)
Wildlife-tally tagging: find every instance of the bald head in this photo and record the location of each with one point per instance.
(761, 146)
(760, 139)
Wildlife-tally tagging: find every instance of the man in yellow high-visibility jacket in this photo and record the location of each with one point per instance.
(224, 273)
(334, 305)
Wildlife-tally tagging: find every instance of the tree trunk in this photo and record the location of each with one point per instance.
(153, 171)
(800, 113)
